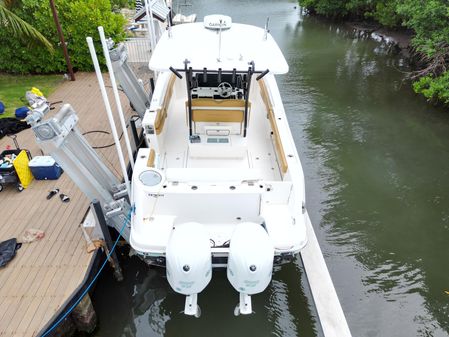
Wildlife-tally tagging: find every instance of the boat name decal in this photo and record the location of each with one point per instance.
(156, 195)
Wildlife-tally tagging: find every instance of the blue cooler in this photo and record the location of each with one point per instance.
(45, 167)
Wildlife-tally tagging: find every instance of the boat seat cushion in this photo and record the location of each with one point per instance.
(208, 110)
(161, 113)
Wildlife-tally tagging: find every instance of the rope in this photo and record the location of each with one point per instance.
(127, 219)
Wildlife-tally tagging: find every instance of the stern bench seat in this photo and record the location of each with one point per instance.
(215, 175)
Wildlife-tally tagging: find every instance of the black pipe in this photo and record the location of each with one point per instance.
(190, 76)
(263, 74)
(222, 71)
(204, 75)
(234, 75)
(108, 240)
(152, 85)
(188, 72)
(174, 71)
(248, 87)
(170, 16)
(219, 75)
(132, 124)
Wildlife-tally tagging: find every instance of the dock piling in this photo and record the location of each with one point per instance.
(84, 316)
(98, 211)
(133, 126)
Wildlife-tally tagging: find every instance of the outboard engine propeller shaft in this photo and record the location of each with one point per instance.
(250, 263)
(189, 263)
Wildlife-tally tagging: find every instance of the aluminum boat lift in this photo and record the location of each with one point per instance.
(60, 137)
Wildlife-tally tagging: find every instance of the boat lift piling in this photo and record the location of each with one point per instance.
(132, 124)
(101, 221)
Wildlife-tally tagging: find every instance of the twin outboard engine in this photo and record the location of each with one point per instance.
(250, 263)
(189, 263)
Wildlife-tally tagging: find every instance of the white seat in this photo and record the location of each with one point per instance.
(185, 175)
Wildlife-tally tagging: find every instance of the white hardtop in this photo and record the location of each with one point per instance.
(240, 44)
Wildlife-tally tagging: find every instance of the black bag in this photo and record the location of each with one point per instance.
(9, 126)
(8, 250)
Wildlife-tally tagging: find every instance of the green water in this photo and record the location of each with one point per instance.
(376, 161)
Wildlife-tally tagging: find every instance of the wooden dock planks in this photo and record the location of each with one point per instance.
(44, 274)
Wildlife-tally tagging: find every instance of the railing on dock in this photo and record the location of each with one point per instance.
(138, 49)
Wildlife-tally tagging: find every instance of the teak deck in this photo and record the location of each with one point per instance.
(45, 273)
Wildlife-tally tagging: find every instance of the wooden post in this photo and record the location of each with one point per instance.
(61, 39)
(84, 316)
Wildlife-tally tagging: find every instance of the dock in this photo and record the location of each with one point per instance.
(45, 274)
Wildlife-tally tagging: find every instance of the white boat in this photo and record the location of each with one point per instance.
(220, 183)
(180, 19)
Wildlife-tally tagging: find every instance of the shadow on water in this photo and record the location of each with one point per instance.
(145, 305)
(375, 158)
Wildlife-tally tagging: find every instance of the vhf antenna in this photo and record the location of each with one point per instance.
(219, 41)
(265, 36)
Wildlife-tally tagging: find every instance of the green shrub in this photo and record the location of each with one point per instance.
(327, 8)
(429, 19)
(118, 4)
(79, 19)
(383, 11)
(434, 88)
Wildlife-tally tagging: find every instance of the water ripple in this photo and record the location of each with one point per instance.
(277, 303)
(393, 280)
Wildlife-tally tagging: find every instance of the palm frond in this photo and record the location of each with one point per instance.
(8, 3)
(20, 28)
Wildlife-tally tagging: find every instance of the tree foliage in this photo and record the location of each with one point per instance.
(79, 19)
(434, 88)
(429, 19)
(19, 28)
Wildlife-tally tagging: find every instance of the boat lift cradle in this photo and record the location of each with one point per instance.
(132, 87)
(60, 137)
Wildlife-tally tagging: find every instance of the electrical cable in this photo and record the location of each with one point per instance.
(110, 86)
(106, 133)
(127, 219)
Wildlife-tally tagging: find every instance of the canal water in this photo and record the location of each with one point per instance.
(376, 162)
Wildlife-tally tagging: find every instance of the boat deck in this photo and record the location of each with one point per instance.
(260, 153)
(44, 274)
